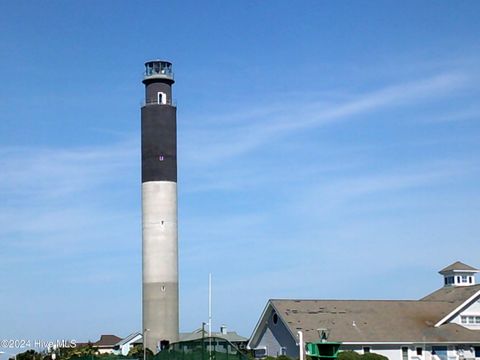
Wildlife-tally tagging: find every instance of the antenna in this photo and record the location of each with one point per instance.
(209, 304)
(210, 315)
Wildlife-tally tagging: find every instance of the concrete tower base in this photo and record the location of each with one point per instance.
(160, 262)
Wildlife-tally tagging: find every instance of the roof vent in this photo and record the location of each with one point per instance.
(323, 334)
(223, 330)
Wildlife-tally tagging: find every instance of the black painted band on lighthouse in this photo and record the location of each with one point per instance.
(159, 144)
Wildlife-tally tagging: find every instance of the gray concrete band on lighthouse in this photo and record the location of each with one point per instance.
(159, 208)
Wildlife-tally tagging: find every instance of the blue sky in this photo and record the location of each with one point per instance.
(326, 150)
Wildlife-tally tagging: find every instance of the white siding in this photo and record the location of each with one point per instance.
(276, 336)
(472, 310)
(392, 352)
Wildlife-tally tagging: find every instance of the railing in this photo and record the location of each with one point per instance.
(152, 72)
(158, 75)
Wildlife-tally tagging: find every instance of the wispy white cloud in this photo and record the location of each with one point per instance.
(58, 201)
(355, 191)
(263, 126)
(54, 173)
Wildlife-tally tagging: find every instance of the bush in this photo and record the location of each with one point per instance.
(349, 355)
(352, 355)
(373, 356)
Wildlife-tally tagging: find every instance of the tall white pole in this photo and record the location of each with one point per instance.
(210, 314)
(210, 304)
(300, 345)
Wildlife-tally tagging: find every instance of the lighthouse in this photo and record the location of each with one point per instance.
(159, 208)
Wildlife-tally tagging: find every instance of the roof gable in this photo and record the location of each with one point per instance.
(261, 322)
(262, 325)
(461, 307)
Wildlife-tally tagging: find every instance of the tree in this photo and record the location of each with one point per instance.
(67, 353)
(29, 355)
(137, 352)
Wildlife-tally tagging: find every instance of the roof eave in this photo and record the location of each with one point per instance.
(259, 322)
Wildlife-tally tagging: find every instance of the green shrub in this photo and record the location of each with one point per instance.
(283, 357)
(353, 355)
(373, 356)
(349, 355)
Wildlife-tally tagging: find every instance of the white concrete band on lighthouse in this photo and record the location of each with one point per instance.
(159, 208)
(160, 261)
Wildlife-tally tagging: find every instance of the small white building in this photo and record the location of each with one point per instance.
(106, 344)
(444, 325)
(124, 346)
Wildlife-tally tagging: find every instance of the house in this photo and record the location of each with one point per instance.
(124, 346)
(444, 325)
(231, 336)
(106, 344)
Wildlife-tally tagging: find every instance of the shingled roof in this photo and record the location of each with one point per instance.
(378, 321)
(454, 294)
(107, 341)
(372, 320)
(458, 266)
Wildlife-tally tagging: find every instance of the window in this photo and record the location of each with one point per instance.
(419, 351)
(404, 353)
(366, 349)
(161, 98)
(464, 278)
(260, 352)
(470, 320)
(275, 318)
(470, 279)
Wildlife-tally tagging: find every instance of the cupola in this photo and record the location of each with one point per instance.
(459, 274)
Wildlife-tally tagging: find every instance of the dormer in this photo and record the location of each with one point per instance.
(459, 274)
